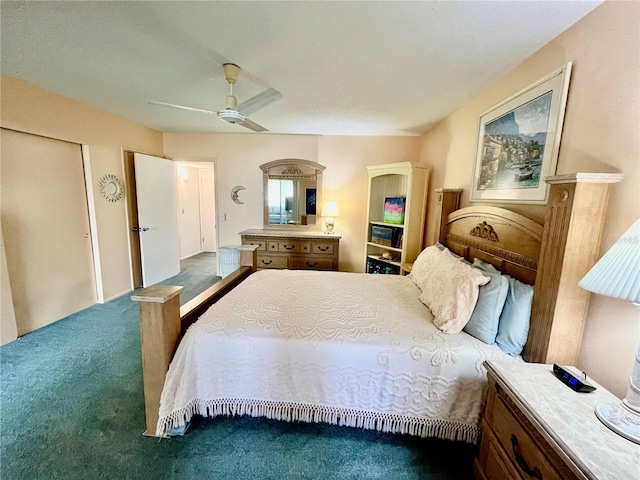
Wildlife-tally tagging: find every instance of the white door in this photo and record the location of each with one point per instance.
(188, 190)
(157, 218)
(45, 223)
(207, 210)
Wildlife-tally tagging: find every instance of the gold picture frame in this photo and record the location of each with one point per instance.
(518, 143)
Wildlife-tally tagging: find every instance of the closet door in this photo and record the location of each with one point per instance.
(45, 223)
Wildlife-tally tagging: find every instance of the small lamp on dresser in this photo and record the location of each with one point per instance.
(329, 211)
(617, 275)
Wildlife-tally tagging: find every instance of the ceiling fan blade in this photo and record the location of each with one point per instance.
(251, 125)
(258, 102)
(182, 107)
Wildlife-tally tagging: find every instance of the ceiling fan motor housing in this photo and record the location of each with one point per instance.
(230, 116)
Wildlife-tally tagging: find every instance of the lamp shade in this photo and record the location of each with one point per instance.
(330, 210)
(617, 273)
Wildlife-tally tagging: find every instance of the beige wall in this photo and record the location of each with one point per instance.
(30, 109)
(601, 134)
(237, 161)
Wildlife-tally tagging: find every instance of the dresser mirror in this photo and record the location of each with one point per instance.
(292, 192)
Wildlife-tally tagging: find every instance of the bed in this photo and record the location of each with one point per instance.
(343, 348)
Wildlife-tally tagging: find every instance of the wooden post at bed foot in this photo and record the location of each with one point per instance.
(249, 256)
(160, 332)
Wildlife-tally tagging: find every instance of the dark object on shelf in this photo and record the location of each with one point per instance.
(375, 266)
(382, 235)
(387, 236)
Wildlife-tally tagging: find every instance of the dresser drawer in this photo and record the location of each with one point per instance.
(311, 263)
(517, 443)
(262, 244)
(272, 261)
(494, 465)
(326, 248)
(285, 246)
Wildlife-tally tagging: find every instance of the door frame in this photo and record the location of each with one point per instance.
(131, 196)
(93, 222)
(214, 210)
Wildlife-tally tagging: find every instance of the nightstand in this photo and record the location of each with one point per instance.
(535, 427)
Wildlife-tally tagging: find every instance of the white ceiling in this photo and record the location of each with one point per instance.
(344, 68)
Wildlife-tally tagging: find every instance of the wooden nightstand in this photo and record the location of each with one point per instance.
(535, 427)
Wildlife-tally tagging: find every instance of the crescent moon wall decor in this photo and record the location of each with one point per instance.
(111, 188)
(234, 194)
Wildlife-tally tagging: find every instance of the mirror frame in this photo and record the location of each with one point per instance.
(294, 169)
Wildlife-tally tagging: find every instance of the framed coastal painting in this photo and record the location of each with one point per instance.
(518, 143)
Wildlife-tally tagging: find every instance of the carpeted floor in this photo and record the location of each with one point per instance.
(71, 407)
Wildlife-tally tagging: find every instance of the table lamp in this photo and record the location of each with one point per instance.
(617, 275)
(329, 211)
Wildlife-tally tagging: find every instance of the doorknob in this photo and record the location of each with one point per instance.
(139, 229)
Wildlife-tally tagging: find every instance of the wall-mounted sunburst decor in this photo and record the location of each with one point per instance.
(111, 187)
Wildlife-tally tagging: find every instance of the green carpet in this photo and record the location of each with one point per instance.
(71, 407)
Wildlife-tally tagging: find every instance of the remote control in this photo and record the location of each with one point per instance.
(573, 382)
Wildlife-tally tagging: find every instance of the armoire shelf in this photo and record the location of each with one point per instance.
(404, 179)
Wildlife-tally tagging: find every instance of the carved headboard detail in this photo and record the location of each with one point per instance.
(485, 230)
(505, 239)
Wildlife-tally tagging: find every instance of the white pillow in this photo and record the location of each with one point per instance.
(423, 265)
(449, 287)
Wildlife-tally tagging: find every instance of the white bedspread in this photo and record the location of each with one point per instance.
(344, 348)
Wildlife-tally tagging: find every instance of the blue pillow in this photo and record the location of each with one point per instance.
(514, 321)
(485, 318)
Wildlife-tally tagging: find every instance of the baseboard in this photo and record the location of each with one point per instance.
(117, 295)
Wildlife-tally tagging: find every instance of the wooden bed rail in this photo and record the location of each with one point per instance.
(163, 322)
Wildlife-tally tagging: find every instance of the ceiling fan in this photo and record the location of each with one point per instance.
(235, 112)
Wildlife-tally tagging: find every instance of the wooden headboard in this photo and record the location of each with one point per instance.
(507, 240)
(553, 258)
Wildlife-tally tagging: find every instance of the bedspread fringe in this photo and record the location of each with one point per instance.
(291, 412)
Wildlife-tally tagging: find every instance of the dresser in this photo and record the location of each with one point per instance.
(294, 249)
(535, 427)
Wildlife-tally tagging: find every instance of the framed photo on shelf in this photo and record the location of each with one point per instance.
(394, 210)
(518, 143)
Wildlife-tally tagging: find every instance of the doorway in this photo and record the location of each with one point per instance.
(196, 207)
